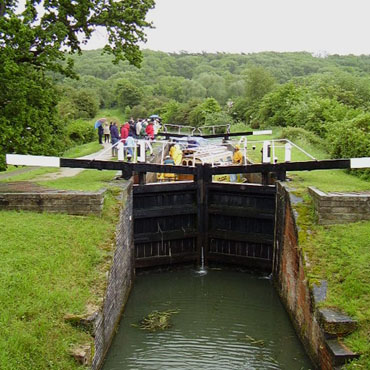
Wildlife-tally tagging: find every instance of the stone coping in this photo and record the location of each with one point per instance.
(340, 207)
(27, 196)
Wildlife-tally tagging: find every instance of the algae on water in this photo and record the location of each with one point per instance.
(156, 320)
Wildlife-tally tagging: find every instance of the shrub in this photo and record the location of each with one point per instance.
(351, 139)
(300, 134)
(239, 127)
(81, 132)
(218, 118)
(138, 111)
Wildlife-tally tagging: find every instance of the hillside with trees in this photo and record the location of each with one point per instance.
(325, 97)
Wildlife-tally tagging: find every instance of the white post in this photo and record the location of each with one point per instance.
(245, 151)
(288, 152)
(162, 154)
(266, 156)
(141, 149)
(121, 155)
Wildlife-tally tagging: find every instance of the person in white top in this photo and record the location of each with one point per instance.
(138, 127)
(106, 132)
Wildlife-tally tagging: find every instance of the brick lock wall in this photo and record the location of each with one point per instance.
(120, 281)
(289, 275)
(319, 329)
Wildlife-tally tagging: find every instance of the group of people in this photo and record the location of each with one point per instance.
(128, 132)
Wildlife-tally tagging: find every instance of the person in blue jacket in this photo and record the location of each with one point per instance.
(115, 138)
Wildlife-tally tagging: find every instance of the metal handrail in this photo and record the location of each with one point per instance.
(214, 127)
(166, 126)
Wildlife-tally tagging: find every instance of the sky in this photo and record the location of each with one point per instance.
(247, 26)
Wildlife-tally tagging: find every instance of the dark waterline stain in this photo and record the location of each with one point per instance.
(226, 320)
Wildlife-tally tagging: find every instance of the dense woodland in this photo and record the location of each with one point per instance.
(324, 99)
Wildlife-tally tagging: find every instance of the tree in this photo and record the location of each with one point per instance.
(28, 119)
(128, 94)
(170, 112)
(258, 82)
(38, 37)
(214, 85)
(170, 87)
(82, 103)
(192, 89)
(35, 41)
(198, 115)
(138, 111)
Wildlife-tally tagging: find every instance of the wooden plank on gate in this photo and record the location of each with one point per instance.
(164, 187)
(244, 237)
(243, 188)
(165, 235)
(165, 260)
(181, 209)
(249, 212)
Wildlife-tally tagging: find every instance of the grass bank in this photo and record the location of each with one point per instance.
(82, 150)
(112, 115)
(51, 265)
(87, 180)
(340, 254)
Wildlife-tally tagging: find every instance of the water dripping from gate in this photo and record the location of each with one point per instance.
(202, 270)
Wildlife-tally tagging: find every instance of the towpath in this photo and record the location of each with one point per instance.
(104, 154)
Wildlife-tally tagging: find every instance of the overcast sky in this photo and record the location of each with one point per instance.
(334, 26)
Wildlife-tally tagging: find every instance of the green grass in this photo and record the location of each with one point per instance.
(340, 254)
(31, 175)
(51, 265)
(87, 180)
(111, 115)
(11, 168)
(328, 181)
(82, 150)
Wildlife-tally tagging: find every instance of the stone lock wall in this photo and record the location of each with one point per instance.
(339, 208)
(318, 329)
(58, 201)
(120, 281)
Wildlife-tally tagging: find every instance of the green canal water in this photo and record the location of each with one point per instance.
(226, 320)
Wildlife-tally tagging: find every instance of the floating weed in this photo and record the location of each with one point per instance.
(253, 341)
(156, 320)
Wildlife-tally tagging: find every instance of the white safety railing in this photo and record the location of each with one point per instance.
(139, 149)
(269, 149)
(178, 129)
(203, 130)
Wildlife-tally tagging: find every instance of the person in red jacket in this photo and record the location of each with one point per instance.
(150, 130)
(124, 131)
